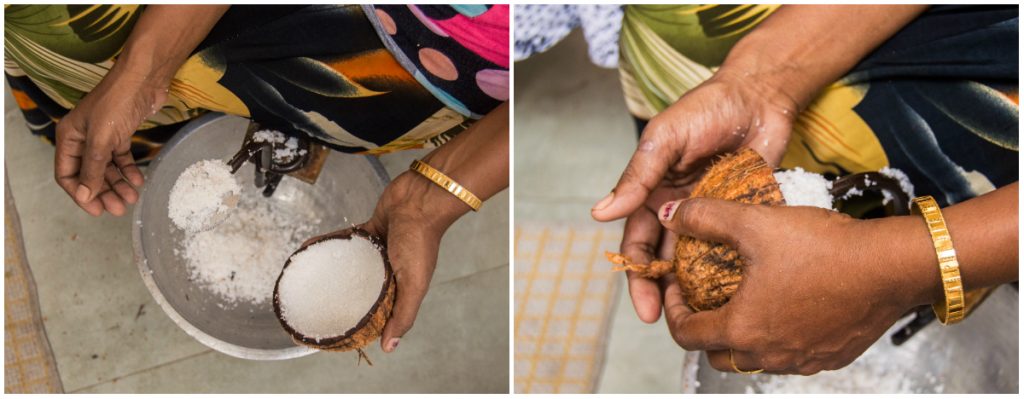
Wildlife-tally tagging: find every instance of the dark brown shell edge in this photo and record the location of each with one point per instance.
(370, 326)
(707, 272)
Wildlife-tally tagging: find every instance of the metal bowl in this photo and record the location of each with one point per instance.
(346, 192)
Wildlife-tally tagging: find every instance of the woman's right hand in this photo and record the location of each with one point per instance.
(94, 164)
(723, 114)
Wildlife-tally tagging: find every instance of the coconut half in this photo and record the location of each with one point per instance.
(336, 293)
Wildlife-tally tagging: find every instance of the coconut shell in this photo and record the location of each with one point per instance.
(710, 272)
(370, 326)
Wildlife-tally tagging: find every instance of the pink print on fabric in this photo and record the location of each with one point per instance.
(429, 23)
(494, 83)
(485, 35)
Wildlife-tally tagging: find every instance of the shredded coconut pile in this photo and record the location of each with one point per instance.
(202, 195)
(330, 286)
(883, 368)
(239, 259)
(291, 144)
(802, 188)
(902, 178)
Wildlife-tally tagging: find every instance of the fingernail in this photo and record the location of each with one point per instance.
(82, 194)
(392, 344)
(668, 210)
(604, 202)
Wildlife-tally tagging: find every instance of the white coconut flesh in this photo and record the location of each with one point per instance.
(203, 196)
(330, 286)
(803, 188)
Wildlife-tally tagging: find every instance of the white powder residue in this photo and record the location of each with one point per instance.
(202, 196)
(802, 188)
(900, 177)
(329, 287)
(240, 259)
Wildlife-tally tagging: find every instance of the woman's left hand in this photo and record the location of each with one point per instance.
(819, 287)
(411, 217)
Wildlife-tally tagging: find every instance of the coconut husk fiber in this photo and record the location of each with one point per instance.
(709, 272)
(370, 326)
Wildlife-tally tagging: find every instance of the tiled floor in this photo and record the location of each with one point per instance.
(108, 335)
(573, 138)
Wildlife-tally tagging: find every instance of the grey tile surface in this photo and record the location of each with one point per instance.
(91, 295)
(573, 137)
(445, 352)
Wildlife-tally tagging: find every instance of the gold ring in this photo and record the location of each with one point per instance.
(732, 361)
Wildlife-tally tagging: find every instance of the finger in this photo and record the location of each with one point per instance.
(652, 158)
(98, 153)
(639, 240)
(120, 185)
(719, 360)
(413, 261)
(126, 163)
(111, 202)
(694, 331)
(708, 219)
(67, 160)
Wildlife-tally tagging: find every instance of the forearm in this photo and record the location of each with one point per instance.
(477, 159)
(164, 37)
(984, 234)
(801, 49)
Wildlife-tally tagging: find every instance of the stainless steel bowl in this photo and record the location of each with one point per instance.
(346, 192)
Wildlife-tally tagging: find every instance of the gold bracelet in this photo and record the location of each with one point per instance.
(447, 183)
(949, 310)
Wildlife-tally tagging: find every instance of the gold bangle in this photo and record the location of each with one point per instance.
(949, 310)
(447, 183)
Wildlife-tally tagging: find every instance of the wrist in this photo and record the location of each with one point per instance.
(778, 72)
(438, 208)
(906, 253)
(144, 62)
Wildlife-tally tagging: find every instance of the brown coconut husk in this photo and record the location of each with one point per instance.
(710, 272)
(370, 327)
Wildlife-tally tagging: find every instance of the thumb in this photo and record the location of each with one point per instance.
(645, 170)
(708, 219)
(413, 259)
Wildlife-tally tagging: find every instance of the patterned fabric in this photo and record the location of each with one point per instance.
(937, 100)
(459, 53)
(540, 26)
(320, 71)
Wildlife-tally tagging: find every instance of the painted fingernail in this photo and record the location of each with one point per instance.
(392, 344)
(668, 210)
(604, 202)
(82, 194)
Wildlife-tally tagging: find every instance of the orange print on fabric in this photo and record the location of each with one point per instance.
(24, 102)
(371, 64)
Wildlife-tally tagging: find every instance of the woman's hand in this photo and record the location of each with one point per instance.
(93, 161)
(413, 213)
(769, 76)
(94, 164)
(721, 115)
(819, 287)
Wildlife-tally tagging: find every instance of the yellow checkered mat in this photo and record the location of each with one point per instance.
(28, 363)
(564, 292)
